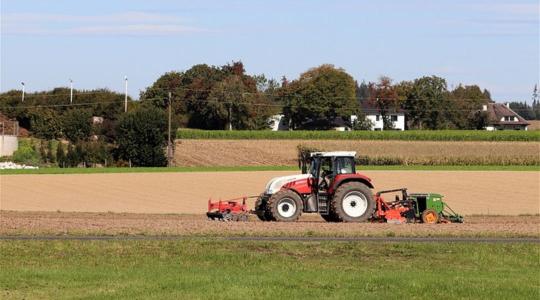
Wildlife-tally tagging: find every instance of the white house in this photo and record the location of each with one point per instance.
(397, 116)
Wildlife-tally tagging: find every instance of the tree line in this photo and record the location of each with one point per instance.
(226, 97)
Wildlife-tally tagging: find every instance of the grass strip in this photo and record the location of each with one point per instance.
(216, 269)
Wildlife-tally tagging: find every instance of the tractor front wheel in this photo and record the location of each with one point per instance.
(353, 202)
(285, 206)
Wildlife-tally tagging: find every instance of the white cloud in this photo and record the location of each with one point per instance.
(127, 23)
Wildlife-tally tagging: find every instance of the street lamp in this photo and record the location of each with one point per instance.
(70, 91)
(125, 93)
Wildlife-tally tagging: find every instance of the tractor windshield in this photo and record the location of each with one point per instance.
(345, 165)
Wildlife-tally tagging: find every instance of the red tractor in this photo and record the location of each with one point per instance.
(331, 188)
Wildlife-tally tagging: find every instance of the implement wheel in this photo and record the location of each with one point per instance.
(353, 202)
(429, 216)
(285, 206)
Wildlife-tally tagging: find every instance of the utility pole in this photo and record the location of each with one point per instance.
(71, 91)
(125, 93)
(230, 118)
(169, 143)
(22, 100)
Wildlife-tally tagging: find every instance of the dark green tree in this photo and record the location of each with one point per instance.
(44, 123)
(427, 104)
(72, 160)
(142, 137)
(50, 155)
(76, 124)
(61, 155)
(464, 102)
(318, 97)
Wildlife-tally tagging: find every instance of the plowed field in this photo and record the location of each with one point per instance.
(54, 223)
(468, 192)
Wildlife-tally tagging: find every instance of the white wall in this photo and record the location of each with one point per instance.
(379, 125)
(8, 144)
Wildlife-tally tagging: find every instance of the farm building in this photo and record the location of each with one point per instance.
(9, 131)
(502, 117)
(278, 123)
(397, 116)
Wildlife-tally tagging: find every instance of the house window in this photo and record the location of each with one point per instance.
(377, 118)
(509, 119)
(393, 118)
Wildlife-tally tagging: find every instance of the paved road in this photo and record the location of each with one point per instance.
(269, 239)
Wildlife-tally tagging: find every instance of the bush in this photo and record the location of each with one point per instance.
(26, 153)
(142, 137)
(76, 125)
(61, 155)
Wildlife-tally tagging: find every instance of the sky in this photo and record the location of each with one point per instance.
(492, 43)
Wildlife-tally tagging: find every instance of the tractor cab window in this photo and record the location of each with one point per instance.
(326, 167)
(345, 165)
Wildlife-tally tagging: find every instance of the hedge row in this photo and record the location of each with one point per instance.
(532, 160)
(408, 135)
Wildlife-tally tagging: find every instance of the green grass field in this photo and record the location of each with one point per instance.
(257, 168)
(216, 269)
(408, 135)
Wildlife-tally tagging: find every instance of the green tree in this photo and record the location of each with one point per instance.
(318, 97)
(44, 123)
(203, 96)
(427, 103)
(142, 137)
(50, 155)
(464, 102)
(61, 155)
(72, 160)
(76, 124)
(383, 95)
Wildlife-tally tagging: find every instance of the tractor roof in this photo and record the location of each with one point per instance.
(334, 154)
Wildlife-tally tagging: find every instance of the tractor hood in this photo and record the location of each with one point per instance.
(276, 183)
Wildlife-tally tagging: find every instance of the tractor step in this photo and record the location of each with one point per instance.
(322, 204)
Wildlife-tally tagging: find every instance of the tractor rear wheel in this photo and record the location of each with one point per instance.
(285, 206)
(429, 216)
(353, 202)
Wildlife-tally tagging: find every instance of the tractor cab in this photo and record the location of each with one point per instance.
(324, 167)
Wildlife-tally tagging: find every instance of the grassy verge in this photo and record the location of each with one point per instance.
(408, 135)
(258, 168)
(214, 269)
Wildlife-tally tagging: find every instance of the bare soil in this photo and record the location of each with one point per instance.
(284, 152)
(467, 192)
(59, 223)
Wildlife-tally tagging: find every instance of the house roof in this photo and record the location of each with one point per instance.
(497, 111)
(369, 108)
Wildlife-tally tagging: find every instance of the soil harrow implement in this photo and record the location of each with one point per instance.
(229, 210)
